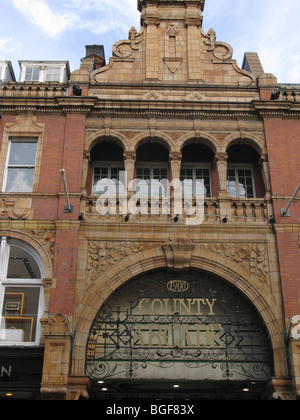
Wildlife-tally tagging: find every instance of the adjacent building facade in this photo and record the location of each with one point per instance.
(144, 249)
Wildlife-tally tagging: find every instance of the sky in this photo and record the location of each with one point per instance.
(60, 29)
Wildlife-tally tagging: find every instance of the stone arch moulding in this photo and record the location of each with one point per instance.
(251, 140)
(156, 137)
(202, 138)
(157, 258)
(101, 136)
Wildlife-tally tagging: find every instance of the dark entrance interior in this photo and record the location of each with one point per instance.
(179, 391)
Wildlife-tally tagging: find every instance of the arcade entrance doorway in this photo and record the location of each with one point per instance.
(187, 335)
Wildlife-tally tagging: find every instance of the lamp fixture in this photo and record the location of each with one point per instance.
(77, 91)
(225, 219)
(275, 95)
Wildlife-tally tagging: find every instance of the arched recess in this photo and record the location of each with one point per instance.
(160, 138)
(250, 140)
(108, 150)
(102, 136)
(200, 259)
(246, 175)
(205, 139)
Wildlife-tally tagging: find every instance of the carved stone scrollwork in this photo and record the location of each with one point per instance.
(253, 257)
(125, 48)
(104, 255)
(16, 209)
(47, 238)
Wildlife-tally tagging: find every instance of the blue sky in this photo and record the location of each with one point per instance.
(60, 29)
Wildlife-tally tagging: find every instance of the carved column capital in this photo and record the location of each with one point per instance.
(177, 156)
(223, 157)
(128, 155)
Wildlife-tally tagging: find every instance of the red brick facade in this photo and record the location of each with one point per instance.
(176, 103)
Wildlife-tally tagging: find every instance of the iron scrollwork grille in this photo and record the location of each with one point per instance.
(201, 328)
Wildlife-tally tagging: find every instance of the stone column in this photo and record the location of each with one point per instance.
(265, 170)
(221, 165)
(58, 343)
(129, 163)
(175, 162)
(85, 170)
(176, 194)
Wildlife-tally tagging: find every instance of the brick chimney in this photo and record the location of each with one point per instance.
(94, 59)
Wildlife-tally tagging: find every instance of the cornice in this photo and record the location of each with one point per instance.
(69, 104)
(145, 107)
(277, 109)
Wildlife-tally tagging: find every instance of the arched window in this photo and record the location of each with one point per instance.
(107, 165)
(244, 179)
(21, 293)
(152, 170)
(195, 171)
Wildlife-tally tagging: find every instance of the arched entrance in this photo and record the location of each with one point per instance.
(188, 334)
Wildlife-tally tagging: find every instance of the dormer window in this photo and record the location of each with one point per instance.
(44, 71)
(32, 74)
(53, 74)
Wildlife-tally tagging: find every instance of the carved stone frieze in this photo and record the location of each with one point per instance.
(46, 238)
(253, 257)
(104, 255)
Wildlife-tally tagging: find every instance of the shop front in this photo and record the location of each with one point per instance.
(183, 334)
(21, 373)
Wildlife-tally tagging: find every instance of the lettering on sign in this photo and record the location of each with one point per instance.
(177, 306)
(196, 327)
(178, 336)
(5, 372)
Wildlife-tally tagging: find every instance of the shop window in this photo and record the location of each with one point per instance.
(20, 167)
(21, 294)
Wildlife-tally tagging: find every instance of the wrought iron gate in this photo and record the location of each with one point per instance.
(192, 326)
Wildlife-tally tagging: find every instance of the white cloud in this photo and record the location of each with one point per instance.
(97, 16)
(7, 45)
(39, 13)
